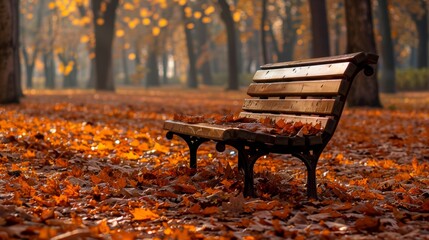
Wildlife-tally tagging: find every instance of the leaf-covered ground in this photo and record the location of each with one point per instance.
(97, 165)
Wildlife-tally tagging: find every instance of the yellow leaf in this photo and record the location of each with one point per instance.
(100, 21)
(120, 33)
(197, 15)
(162, 22)
(188, 12)
(236, 16)
(182, 2)
(144, 12)
(160, 148)
(156, 31)
(133, 24)
(146, 21)
(206, 20)
(144, 214)
(84, 39)
(190, 26)
(132, 56)
(128, 6)
(209, 10)
(51, 5)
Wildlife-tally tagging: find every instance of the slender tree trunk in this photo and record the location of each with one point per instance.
(73, 74)
(204, 53)
(263, 32)
(125, 66)
(104, 35)
(48, 59)
(164, 68)
(387, 83)
(319, 28)
(289, 29)
(192, 71)
(16, 44)
(49, 69)
(29, 66)
(226, 17)
(360, 37)
(9, 46)
(337, 28)
(91, 81)
(152, 77)
(421, 23)
(138, 64)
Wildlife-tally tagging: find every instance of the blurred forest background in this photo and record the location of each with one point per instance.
(185, 42)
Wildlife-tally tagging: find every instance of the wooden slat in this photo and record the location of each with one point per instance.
(300, 88)
(316, 72)
(204, 130)
(294, 106)
(287, 118)
(355, 58)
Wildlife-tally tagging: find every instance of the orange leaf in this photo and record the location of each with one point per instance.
(144, 214)
(210, 210)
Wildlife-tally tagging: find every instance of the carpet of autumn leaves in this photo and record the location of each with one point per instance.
(97, 165)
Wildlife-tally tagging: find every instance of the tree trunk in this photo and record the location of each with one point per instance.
(16, 43)
(422, 33)
(152, 77)
(49, 69)
(319, 28)
(48, 59)
(289, 29)
(9, 46)
(263, 32)
(104, 27)
(164, 66)
(29, 66)
(360, 37)
(204, 53)
(226, 17)
(387, 83)
(192, 71)
(125, 66)
(337, 28)
(138, 69)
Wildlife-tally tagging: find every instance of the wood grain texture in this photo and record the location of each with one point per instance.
(299, 88)
(316, 72)
(292, 106)
(287, 118)
(204, 130)
(356, 58)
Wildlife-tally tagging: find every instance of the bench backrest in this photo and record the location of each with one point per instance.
(310, 91)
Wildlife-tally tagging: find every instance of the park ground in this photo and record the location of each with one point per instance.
(80, 164)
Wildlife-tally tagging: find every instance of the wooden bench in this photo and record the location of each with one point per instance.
(311, 91)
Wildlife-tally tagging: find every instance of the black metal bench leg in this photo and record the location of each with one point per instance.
(247, 156)
(310, 160)
(193, 144)
(311, 183)
(248, 164)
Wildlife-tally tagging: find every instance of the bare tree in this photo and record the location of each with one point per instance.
(387, 81)
(9, 49)
(360, 37)
(104, 27)
(227, 19)
(319, 28)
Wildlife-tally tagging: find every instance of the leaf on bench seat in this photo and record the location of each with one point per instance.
(265, 125)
